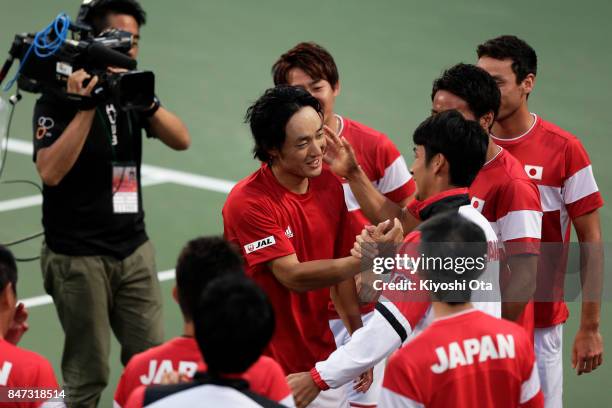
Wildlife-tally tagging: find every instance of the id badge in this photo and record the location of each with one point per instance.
(125, 189)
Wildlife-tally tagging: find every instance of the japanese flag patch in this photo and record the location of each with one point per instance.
(534, 172)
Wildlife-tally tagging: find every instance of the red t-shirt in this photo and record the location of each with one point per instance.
(557, 162)
(182, 355)
(510, 201)
(469, 359)
(267, 222)
(20, 368)
(385, 167)
(504, 194)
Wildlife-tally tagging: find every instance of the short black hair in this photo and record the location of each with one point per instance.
(8, 269)
(524, 58)
(202, 260)
(269, 116)
(452, 236)
(234, 322)
(472, 84)
(462, 142)
(102, 8)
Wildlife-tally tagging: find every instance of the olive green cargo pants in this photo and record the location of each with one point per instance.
(93, 294)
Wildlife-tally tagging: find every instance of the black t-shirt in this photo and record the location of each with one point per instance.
(78, 215)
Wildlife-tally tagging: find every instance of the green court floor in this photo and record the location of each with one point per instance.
(212, 58)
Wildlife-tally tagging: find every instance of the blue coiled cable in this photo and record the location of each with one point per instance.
(42, 46)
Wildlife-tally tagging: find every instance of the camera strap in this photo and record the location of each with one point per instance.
(109, 134)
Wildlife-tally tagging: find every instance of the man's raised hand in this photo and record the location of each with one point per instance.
(339, 154)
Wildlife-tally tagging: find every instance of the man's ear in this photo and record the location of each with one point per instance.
(274, 154)
(528, 83)
(175, 294)
(337, 89)
(486, 121)
(7, 296)
(438, 162)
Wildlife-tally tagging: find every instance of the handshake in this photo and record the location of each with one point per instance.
(374, 242)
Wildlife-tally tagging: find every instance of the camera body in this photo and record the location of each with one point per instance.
(131, 89)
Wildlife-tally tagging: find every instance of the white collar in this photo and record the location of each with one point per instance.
(535, 120)
(341, 124)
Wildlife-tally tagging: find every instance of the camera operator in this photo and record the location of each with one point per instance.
(97, 261)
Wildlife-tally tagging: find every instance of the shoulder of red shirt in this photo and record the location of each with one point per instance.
(28, 365)
(555, 131)
(511, 166)
(359, 130)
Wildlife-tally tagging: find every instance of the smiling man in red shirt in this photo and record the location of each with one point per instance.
(560, 166)
(312, 67)
(290, 220)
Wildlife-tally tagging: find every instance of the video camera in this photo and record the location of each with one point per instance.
(48, 71)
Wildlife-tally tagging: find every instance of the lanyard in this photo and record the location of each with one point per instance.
(110, 134)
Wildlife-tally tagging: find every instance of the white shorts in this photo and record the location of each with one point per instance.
(360, 399)
(549, 356)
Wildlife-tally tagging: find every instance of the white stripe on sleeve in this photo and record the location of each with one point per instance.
(580, 185)
(551, 198)
(520, 224)
(390, 399)
(349, 198)
(395, 176)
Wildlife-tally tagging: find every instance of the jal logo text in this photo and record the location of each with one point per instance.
(257, 245)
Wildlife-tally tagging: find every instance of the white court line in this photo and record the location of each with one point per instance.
(47, 300)
(156, 172)
(23, 202)
(36, 199)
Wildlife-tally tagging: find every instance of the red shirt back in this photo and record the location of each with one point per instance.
(469, 359)
(557, 162)
(21, 368)
(267, 222)
(182, 355)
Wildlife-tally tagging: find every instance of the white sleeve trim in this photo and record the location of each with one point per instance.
(520, 224)
(531, 387)
(551, 198)
(349, 198)
(366, 348)
(579, 185)
(390, 399)
(395, 176)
